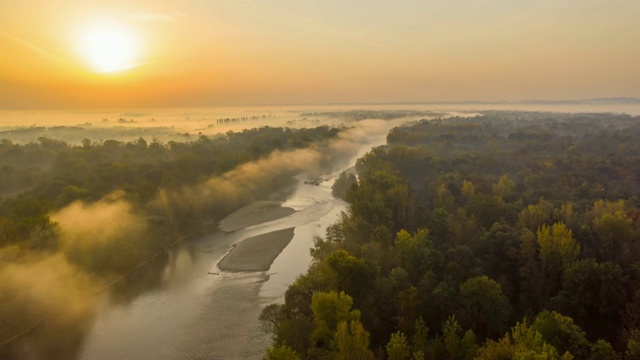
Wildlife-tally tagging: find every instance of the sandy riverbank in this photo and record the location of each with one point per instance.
(256, 253)
(256, 213)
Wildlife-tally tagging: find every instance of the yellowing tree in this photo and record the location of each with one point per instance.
(614, 230)
(352, 341)
(533, 216)
(329, 309)
(504, 187)
(557, 249)
(557, 243)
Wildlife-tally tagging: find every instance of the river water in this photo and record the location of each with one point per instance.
(194, 314)
(198, 315)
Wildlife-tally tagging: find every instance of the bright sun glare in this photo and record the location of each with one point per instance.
(109, 47)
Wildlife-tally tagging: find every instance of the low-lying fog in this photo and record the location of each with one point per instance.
(185, 124)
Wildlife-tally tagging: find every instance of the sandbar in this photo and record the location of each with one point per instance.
(253, 214)
(256, 253)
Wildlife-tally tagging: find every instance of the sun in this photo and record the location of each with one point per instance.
(109, 46)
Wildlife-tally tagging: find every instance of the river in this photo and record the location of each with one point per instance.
(195, 314)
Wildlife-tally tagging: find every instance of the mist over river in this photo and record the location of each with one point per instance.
(201, 312)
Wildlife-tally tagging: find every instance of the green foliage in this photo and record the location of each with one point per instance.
(504, 188)
(523, 342)
(602, 350)
(342, 185)
(615, 234)
(483, 306)
(494, 219)
(420, 337)
(534, 216)
(269, 317)
(531, 274)
(557, 249)
(633, 350)
(398, 347)
(353, 275)
(457, 345)
(408, 308)
(352, 341)
(557, 245)
(413, 251)
(593, 295)
(329, 309)
(560, 332)
(488, 209)
(281, 352)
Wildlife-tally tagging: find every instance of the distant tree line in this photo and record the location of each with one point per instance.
(500, 236)
(243, 118)
(355, 115)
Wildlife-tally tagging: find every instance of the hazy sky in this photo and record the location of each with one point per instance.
(115, 53)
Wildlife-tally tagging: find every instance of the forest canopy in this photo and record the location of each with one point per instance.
(500, 236)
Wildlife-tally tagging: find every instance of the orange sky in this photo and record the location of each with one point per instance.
(244, 52)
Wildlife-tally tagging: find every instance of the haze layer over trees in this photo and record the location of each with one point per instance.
(502, 236)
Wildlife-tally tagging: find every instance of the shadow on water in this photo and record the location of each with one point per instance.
(58, 335)
(61, 336)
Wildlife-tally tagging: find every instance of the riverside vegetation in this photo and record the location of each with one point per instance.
(508, 235)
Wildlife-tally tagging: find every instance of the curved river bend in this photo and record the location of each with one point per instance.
(196, 314)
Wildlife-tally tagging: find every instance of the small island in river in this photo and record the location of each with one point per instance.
(256, 253)
(253, 214)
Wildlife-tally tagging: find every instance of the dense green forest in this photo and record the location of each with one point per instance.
(74, 218)
(500, 236)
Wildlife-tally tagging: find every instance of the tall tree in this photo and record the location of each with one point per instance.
(557, 249)
(398, 347)
(616, 241)
(352, 341)
(484, 308)
(593, 295)
(329, 309)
